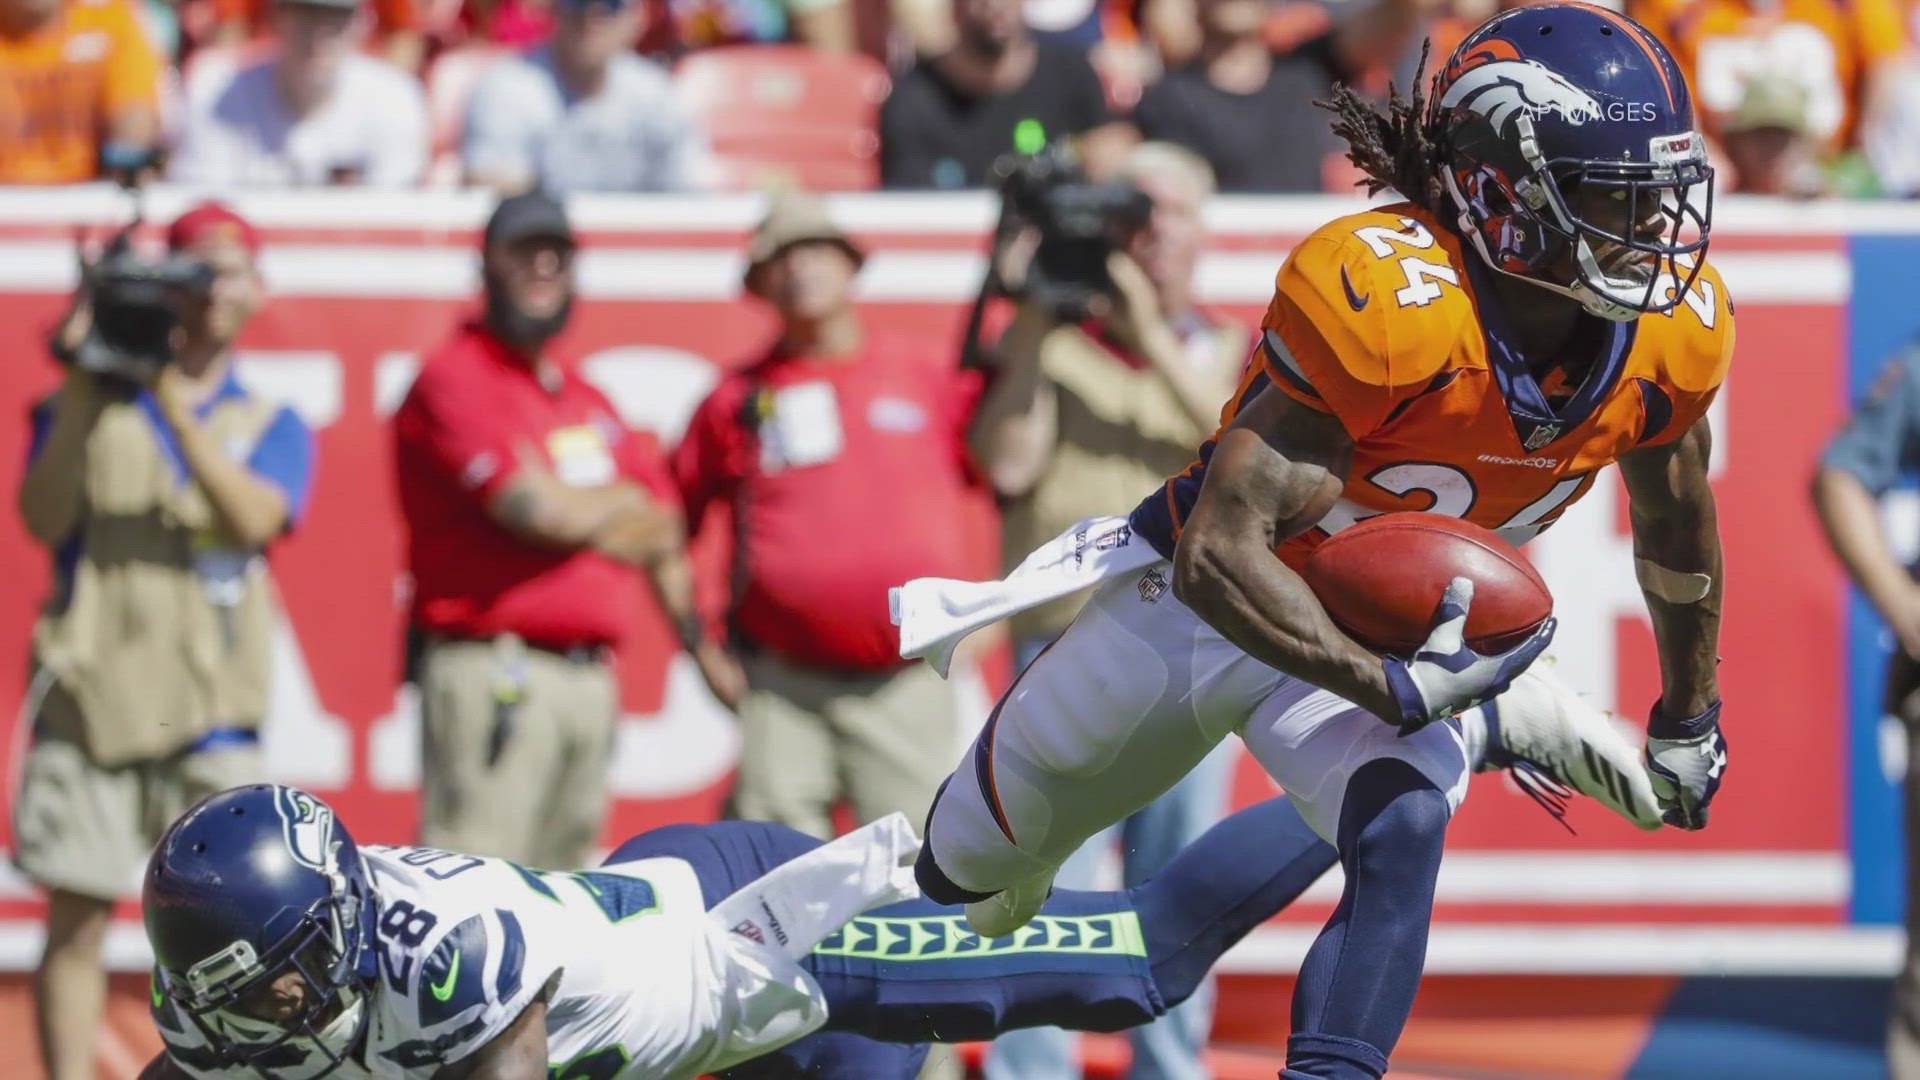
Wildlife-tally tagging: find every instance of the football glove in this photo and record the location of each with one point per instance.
(1685, 762)
(1446, 675)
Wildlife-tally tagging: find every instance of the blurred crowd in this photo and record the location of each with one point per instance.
(1799, 97)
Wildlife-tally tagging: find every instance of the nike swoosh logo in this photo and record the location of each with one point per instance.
(443, 989)
(1359, 302)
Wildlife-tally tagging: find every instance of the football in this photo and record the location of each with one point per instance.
(1382, 580)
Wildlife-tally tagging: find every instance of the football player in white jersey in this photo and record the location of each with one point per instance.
(283, 950)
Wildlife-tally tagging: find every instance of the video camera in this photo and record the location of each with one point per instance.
(136, 303)
(1080, 224)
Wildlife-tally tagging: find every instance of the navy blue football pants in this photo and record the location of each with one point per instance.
(908, 974)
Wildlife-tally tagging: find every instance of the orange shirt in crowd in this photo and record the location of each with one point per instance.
(1830, 44)
(388, 15)
(61, 86)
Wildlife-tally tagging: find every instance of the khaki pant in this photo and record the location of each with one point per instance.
(810, 737)
(88, 829)
(515, 748)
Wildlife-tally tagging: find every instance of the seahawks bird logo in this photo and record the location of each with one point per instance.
(307, 825)
(1501, 90)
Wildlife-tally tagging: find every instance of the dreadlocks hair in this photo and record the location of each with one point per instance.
(1400, 147)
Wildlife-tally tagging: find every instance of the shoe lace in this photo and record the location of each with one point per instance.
(1544, 786)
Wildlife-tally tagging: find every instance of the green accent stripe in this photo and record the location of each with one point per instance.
(947, 937)
(535, 882)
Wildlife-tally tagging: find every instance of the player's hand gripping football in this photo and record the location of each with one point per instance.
(1686, 760)
(1447, 675)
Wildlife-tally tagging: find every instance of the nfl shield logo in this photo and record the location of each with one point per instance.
(1152, 586)
(1541, 435)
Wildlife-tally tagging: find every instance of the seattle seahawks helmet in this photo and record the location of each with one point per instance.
(250, 885)
(1570, 152)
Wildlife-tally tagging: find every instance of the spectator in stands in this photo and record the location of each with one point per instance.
(1081, 419)
(1770, 139)
(80, 87)
(997, 90)
(1877, 450)
(1248, 109)
(827, 25)
(397, 27)
(316, 112)
(1834, 50)
(841, 454)
(583, 113)
(1890, 129)
(157, 488)
(527, 504)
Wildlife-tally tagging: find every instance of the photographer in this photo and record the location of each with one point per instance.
(157, 482)
(1084, 415)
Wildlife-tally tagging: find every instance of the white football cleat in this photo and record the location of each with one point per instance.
(1011, 908)
(1556, 743)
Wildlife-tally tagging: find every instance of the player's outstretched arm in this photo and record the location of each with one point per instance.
(1676, 549)
(1274, 473)
(518, 1053)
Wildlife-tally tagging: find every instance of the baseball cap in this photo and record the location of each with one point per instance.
(794, 218)
(212, 220)
(530, 214)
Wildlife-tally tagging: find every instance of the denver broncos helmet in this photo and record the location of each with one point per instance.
(248, 886)
(1570, 152)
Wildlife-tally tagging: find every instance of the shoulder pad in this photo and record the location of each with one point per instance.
(467, 986)
(1697, 335)
(1366, 312)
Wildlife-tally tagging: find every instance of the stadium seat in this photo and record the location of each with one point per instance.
(787, 114)
(451, 79)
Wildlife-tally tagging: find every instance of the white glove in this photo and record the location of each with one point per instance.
(1685, 762)
(1447, 676)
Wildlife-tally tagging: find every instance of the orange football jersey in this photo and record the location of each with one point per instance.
(1375, 320)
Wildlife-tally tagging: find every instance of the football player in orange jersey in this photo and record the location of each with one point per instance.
(1537, 309)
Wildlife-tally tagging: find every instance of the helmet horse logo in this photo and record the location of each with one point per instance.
(1499, 85)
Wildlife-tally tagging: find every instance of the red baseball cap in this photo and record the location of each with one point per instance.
(212, 220)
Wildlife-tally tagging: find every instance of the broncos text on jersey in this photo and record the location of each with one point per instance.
(645, 986)
(1376, 320)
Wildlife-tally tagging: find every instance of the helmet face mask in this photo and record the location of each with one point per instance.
(1581, 172)
(237, 993)
(260, 913)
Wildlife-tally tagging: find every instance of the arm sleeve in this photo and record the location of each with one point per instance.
(1876, 446)
(445, 423)
(284, 458)
(706, 463)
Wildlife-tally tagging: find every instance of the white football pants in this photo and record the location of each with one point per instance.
(1116, 711)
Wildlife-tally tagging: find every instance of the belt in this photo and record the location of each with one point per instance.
(595, 652)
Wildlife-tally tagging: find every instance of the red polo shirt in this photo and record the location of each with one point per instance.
(852, 474)
(473, 409)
